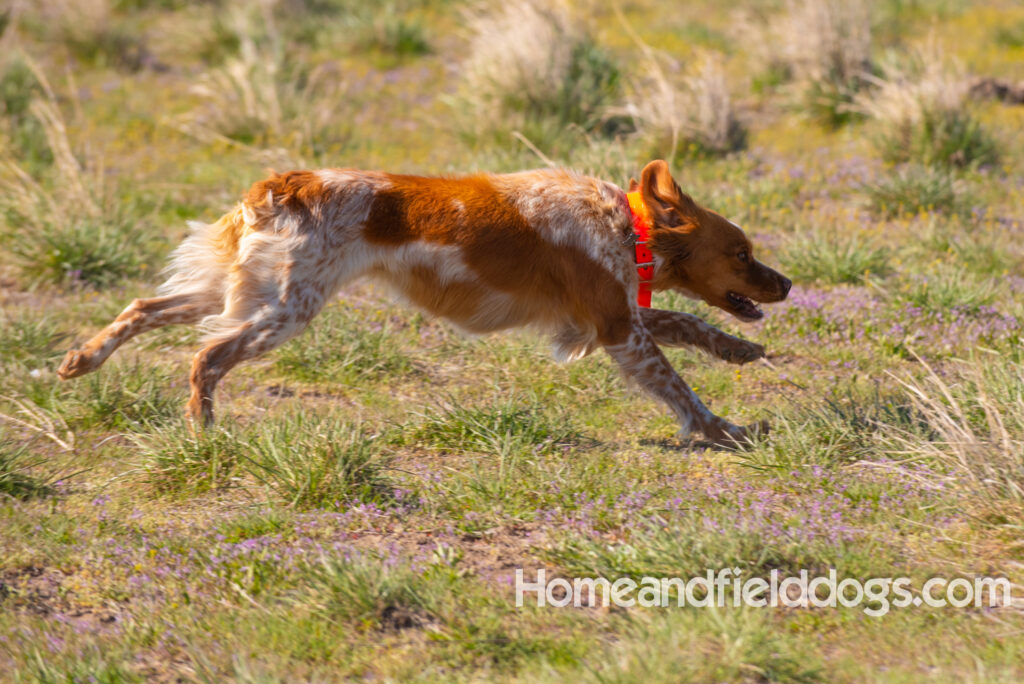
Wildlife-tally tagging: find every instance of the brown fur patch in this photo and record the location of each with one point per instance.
(297, 191)
(501, 248)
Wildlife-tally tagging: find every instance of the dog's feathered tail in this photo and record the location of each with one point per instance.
(202, 262)
(207, 263)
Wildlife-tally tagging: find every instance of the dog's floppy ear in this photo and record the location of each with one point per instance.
(674, 214)
(633, 185)
(674, 245)
(662, 195)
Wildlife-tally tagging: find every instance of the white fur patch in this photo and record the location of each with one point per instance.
(353, 193)
(194, 266)
(445, 260)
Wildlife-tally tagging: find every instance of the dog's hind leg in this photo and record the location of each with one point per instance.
(194, 290)
(140, 316)
(246, 341)
(264, 309)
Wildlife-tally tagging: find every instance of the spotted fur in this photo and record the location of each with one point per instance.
(547, 249)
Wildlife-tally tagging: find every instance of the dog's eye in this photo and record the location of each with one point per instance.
(743, 256)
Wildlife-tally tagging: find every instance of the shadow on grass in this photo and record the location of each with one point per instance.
(16, 477)
(688, 445)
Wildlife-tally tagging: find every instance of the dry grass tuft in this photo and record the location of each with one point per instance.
(90, 30)
(66, 225)
(908, 89)
(26, 199)
(79, 183)
(536, 60)
(262, 102)
(821, 39)
(976, 413)
(692, 113)
(922, 102)
(824, 46)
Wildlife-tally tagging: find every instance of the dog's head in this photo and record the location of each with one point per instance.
(702, 254)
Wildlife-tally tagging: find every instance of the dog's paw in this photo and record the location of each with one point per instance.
(732, 436)
(741, 351)
(76, 362)
(756, 431)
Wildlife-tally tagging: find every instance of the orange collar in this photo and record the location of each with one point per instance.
(644, 257)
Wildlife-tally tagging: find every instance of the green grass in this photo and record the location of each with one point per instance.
(841, 429)
(951, 139)
(1011, 36)
(950, 288)
(28, 339)
(319, 463)
(817, 255)
(174, 461)
(830, 100)
(95, 666)
(392, 32)
(713, 646)
(83, 253)
(122, 397)
(376, 592)
(16, 471)
(306, 462)
(339, 349)
(912, 189)
(509, 425)
(18, 87)
(685, 539)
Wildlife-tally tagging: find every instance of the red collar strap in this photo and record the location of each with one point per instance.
(644, 257)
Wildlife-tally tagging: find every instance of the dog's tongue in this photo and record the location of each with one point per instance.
(744, 305)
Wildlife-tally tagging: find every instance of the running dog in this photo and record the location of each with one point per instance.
(574, 256)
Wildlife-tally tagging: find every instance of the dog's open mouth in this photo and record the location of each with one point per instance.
(743, 306)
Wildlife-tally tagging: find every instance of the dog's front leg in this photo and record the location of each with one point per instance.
(677, 329)
(642, 361)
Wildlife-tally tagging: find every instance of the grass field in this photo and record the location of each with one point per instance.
(361, 507)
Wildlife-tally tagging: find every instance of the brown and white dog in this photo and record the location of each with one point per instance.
(549, 248)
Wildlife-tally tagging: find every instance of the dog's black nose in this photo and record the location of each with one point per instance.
(786, 284)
